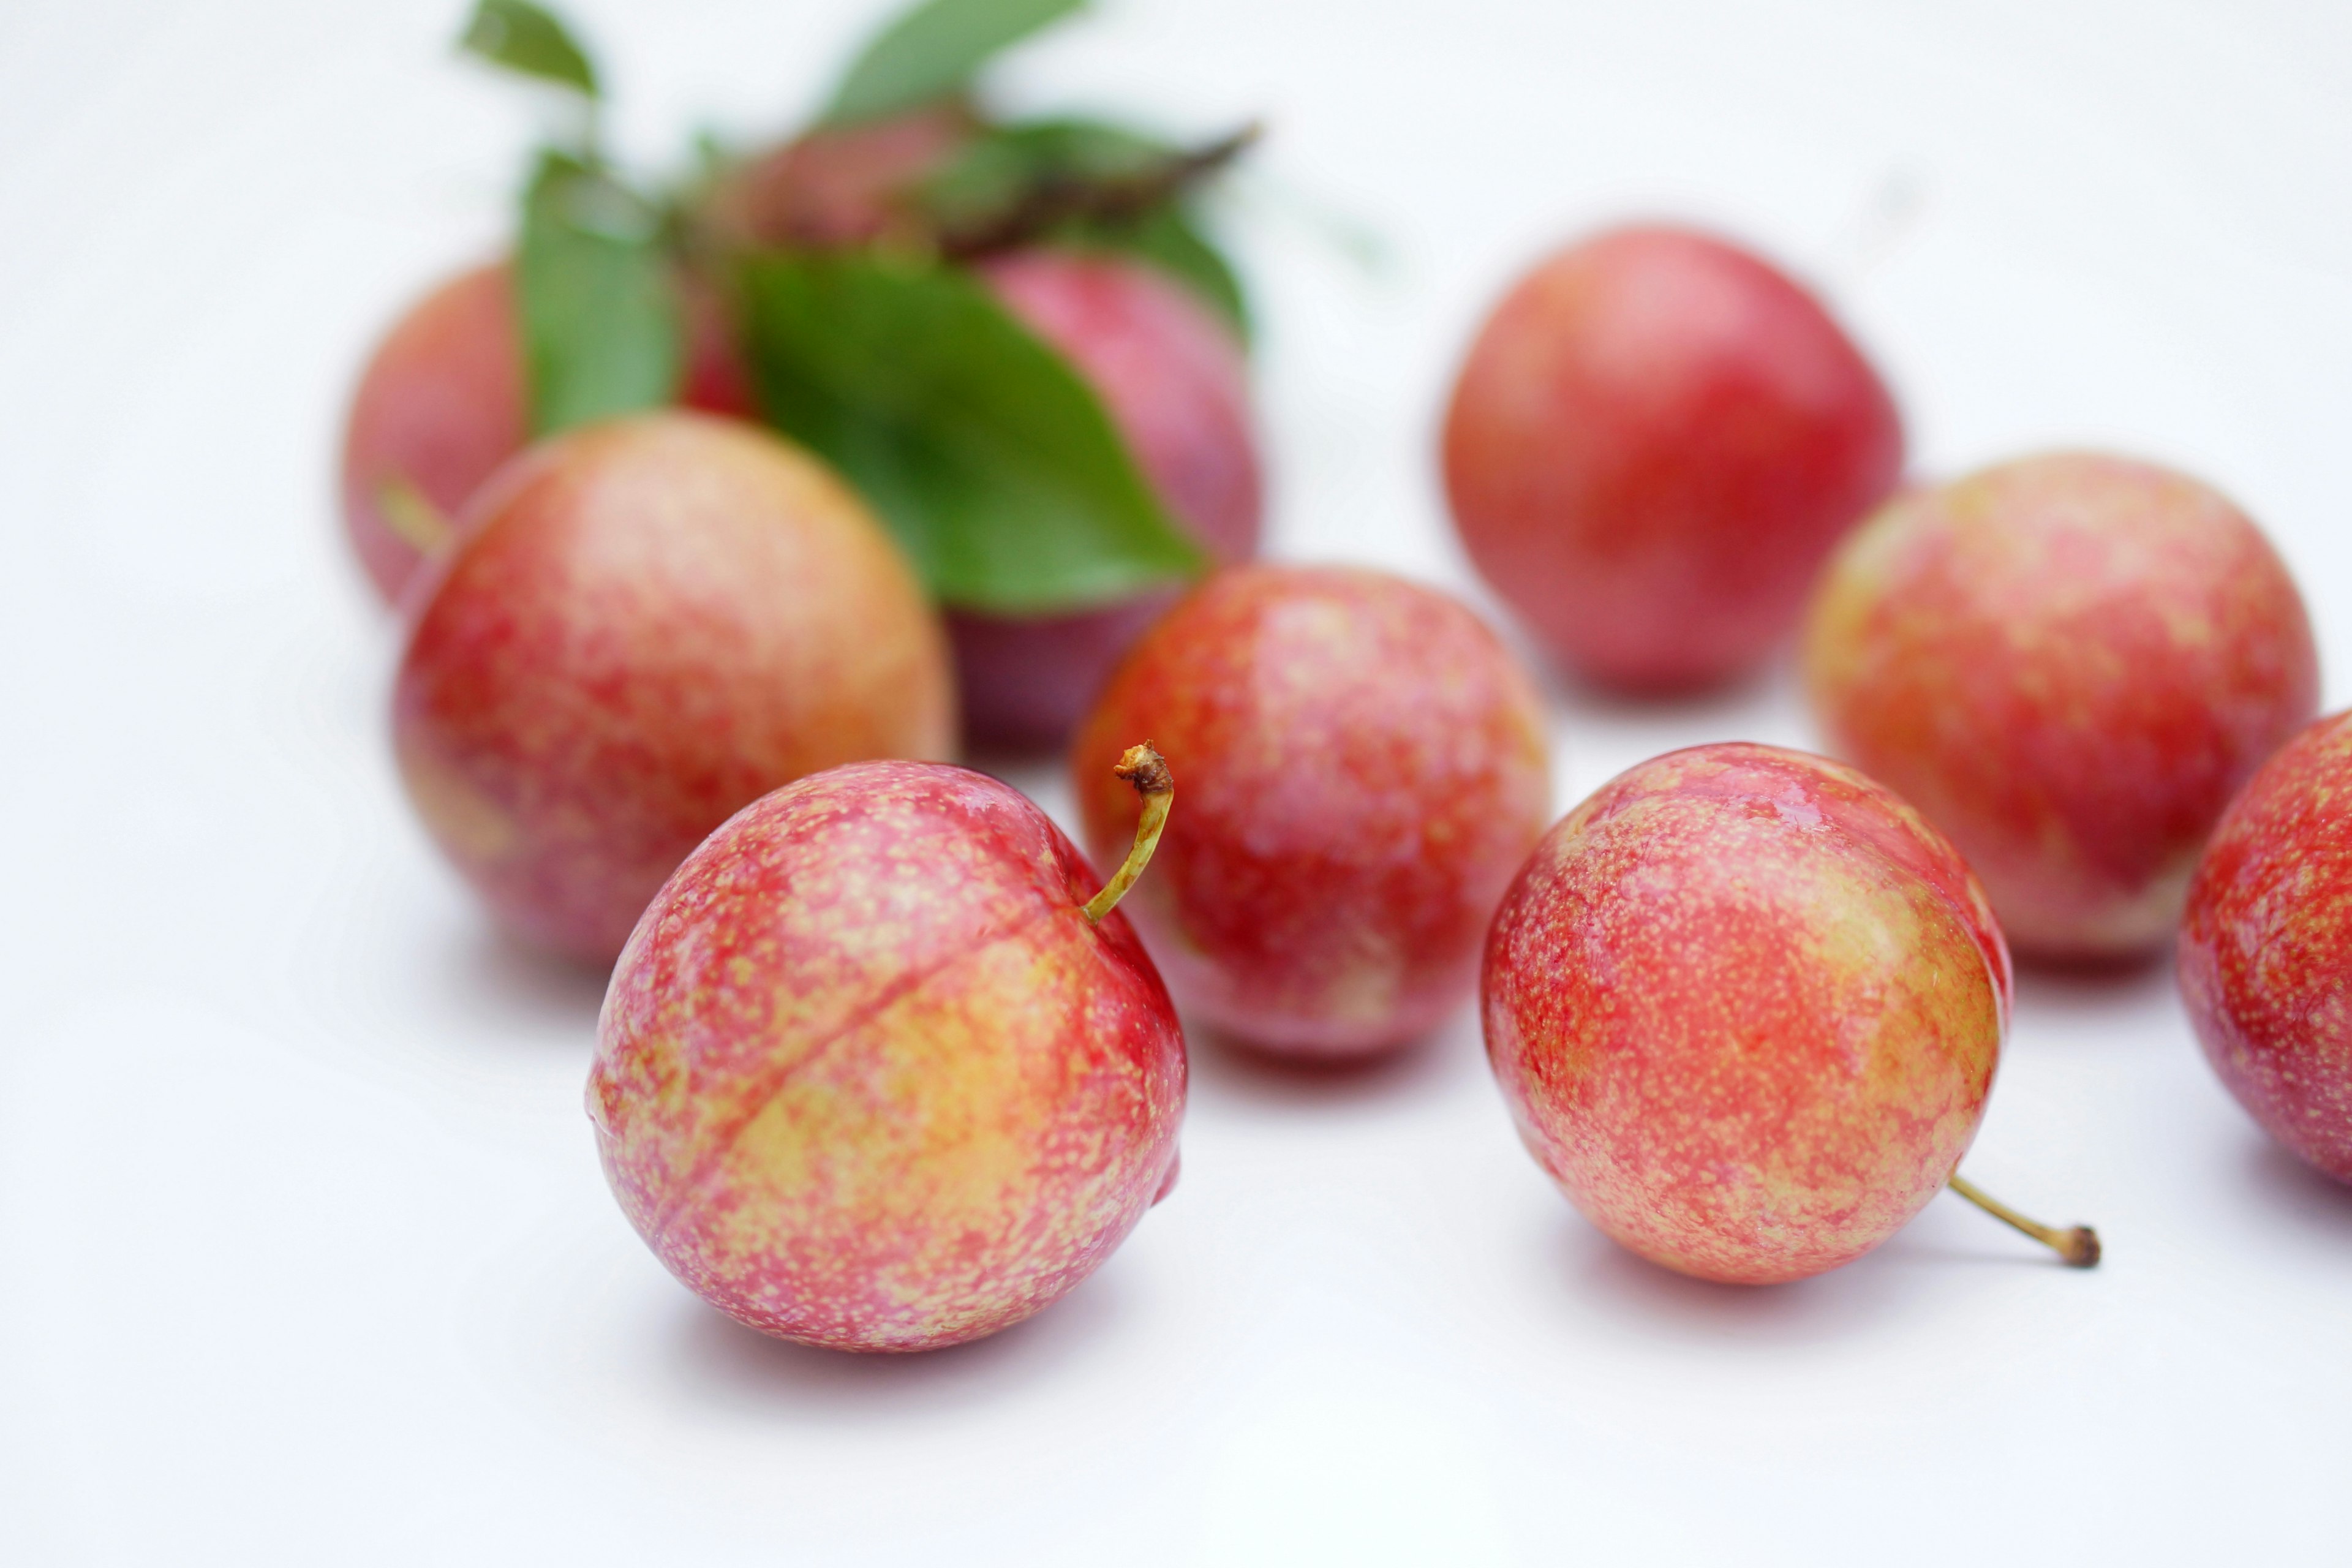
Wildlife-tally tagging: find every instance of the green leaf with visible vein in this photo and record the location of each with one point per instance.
(995, 464)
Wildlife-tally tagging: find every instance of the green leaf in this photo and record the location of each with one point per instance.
(930, 52)
(995, 465)
(522, 38)
(995, 171)
(600, 315)
(1167, 239)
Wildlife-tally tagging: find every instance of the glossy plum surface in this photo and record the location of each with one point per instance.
(1653, 441)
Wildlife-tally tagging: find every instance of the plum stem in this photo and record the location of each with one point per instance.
(1146, 769)
(1052, 202)
(411, 514)
(2077, 1246)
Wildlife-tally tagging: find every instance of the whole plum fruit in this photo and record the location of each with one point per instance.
(1746, 1006)
(1364, 767)
(873, 1073)
(1653, 442)
(646, 625)
(2070, 663)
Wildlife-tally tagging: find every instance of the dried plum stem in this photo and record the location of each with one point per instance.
(2078, 1246)
(1146, 769)
(1054, 203)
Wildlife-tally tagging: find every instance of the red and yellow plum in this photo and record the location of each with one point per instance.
(1746, 1006)
(646, 625)
(1365, 768)
(870, 1077)
(2070, 663)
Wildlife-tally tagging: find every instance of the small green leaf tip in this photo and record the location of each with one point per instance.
(602, 330)
(932, 51)
(524, 38)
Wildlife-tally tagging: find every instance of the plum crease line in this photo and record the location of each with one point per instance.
(783, 1075)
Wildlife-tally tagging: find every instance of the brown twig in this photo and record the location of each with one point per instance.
(1062, 199)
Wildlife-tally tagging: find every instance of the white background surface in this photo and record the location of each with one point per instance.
(304, 1255)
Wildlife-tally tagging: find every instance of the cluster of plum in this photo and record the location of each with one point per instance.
(715, 522)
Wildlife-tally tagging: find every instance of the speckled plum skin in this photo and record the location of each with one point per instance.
(2266, 947)
(2070, 663)
(442, 405)
(1653, 442)
(867, 1077)
(1360, 767)
(1176, 384)
(1746, 1006)
(647, 625)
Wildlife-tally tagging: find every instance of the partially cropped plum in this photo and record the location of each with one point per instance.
(646, 625)
(836, 184)
(1656, 440)
(442, 405)
(439, 406)
(1746, 1006)
(2266, 947)
(2070, 663)
(1365, 768)
(876, 1071)
(1176, 384)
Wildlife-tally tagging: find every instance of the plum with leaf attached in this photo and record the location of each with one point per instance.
(1010, 336)
(1173, 379)
(1015, 337)
(1156, 346)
